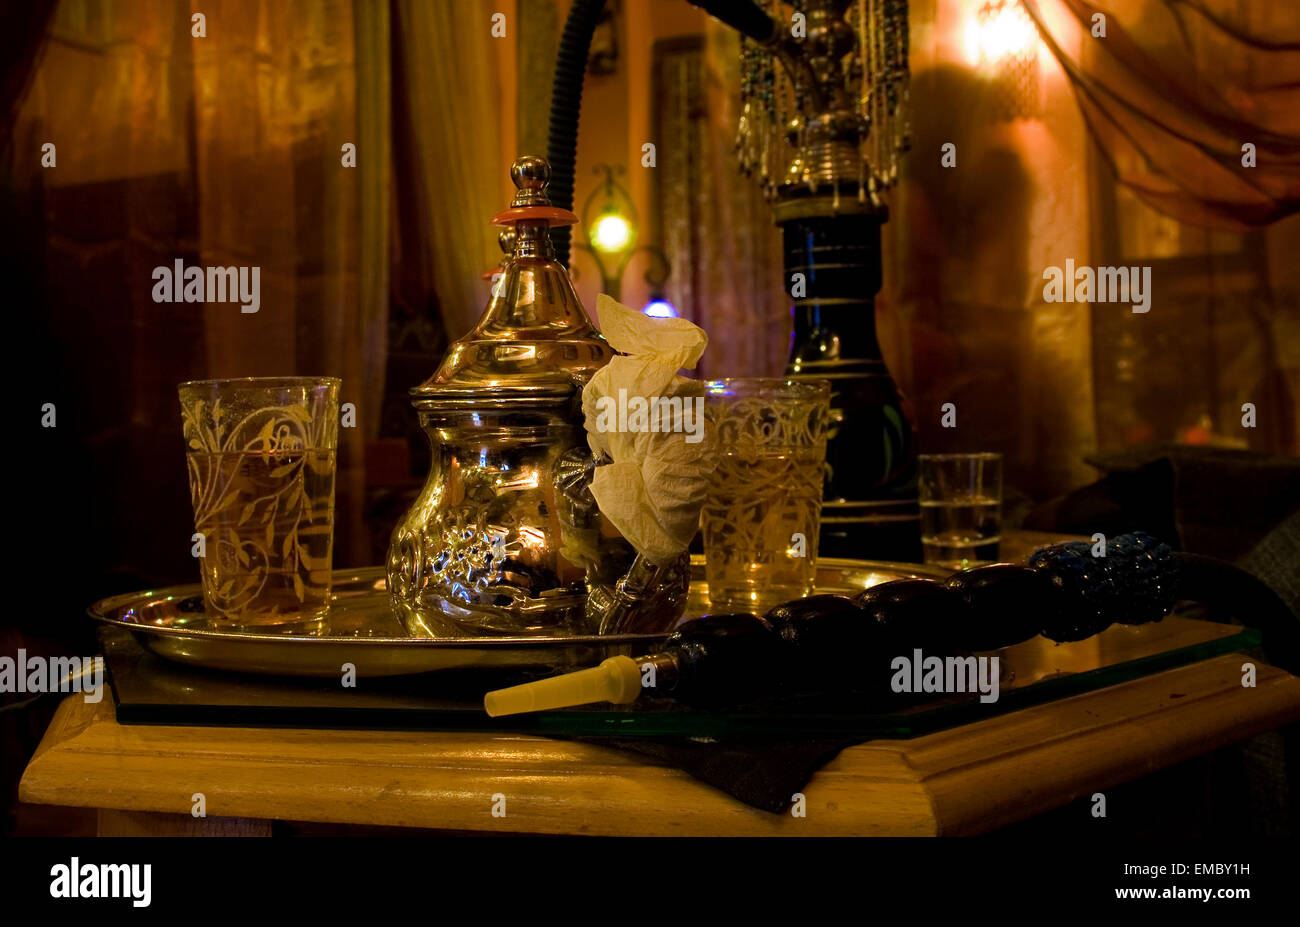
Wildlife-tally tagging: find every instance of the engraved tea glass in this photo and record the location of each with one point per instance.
(261, 455)
(762, 510)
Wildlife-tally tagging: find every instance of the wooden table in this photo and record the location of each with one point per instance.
(966, 780)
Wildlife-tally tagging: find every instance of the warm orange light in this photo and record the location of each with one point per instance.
(1000, 30)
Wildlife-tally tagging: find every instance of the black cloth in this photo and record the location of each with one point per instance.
(766, 775)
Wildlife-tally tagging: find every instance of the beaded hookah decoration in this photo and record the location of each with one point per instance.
(823, 124)
(858, 89)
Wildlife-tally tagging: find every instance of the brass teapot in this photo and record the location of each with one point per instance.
(505, 537)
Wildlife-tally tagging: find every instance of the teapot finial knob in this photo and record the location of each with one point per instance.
(531, 174)
(531, 204)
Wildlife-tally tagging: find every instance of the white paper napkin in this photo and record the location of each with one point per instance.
(653, 490)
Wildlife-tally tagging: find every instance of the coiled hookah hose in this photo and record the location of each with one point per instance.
(830, 644)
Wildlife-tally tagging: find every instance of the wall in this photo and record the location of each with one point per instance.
(961, 315)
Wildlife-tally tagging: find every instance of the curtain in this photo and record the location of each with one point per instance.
(276, 98)
(716, 228)
(1179, 97)
(452, 175)
(1176, 88)
(221, 149)
(22, 37)
(960, 315)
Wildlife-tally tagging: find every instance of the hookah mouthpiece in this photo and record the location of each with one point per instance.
(616, 680)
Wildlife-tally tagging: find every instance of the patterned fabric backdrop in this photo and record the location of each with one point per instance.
(715, 227)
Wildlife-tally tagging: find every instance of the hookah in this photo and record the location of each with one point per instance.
(822, 132)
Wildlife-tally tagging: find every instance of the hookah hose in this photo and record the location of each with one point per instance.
(566, 90)
(834, 644)
(745, 17)
(1222, 586)
(566, 106)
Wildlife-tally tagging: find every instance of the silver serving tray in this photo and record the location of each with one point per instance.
(363, 630)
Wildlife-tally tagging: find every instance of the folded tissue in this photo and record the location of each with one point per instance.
(645, 427)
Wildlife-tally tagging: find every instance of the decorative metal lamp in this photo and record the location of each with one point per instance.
(610, 219)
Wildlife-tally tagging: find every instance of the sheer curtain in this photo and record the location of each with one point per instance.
(716, 228)
(1194, 106)
(454, 160)
(222, 149)
(228, 148)
(1176, 88)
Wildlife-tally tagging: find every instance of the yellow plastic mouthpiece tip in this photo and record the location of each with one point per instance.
(616, 680)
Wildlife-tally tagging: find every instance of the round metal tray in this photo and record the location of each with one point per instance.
(363, 630)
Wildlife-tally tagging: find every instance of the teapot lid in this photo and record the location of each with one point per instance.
(534, 341)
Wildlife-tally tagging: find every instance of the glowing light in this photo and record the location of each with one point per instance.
(1001, 30)
(660, 309)
(611, 234)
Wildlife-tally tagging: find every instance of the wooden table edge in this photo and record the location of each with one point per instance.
(961, 781)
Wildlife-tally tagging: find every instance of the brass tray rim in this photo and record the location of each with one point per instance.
(101, 611)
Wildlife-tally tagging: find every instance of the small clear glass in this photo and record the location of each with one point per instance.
(762, 509)
(961, 508)
(261, 455)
